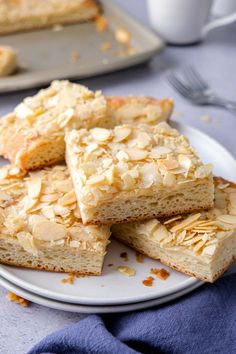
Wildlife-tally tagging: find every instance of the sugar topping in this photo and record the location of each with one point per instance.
(41, 208)
(131, 158)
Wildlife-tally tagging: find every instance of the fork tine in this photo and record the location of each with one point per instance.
(196, 78)
(178, 85)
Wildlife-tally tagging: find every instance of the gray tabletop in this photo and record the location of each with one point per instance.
(216, 60)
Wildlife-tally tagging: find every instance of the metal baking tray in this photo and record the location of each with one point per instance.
(46, 55)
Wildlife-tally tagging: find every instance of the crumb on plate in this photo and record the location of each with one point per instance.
(127, 271)
(17, 299)
(148, 281)
(139, 257)
(124, 256)
(101, 23)
(160, 273)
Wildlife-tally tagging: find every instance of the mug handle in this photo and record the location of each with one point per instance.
(223, 21)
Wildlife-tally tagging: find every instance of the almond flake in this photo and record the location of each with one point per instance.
(186, 222)
(170, 164)
(34, 187)
(159, 151)
(172, 219)
(228, 219)
(203, 171)
(96, 180)
(100, 134)
(127, 271)
(185, 162)
(26, 240)
(169, 179)
(46, 230)
(121, 133)
(67, 199)
(136, 154)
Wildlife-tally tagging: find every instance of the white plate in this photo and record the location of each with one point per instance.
(112, 288)
(58, 305)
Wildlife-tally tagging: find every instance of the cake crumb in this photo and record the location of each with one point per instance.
(57, 28)
(160, 273)
(75, 56)
(206, 118)
(71, 278)
(17, 299)
(110, 265)
(101, 23)
(123, 36)
(148, 281)
(127, 271)
(139, 257)
(124, 256)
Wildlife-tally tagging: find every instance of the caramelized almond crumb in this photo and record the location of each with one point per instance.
(101, 23)
(160, 273)
(123, 36)
(127, 271)
(124, 256)
(17, 299)
(139, 257)
(70, 279)
(148, 281)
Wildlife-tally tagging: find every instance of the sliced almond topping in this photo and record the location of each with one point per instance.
(175, 218)
(228, 219)
(186, 222)
(159, 151)
(203, 171)
(121, 133)
(127, 271)
(136, 154)
(46, 230)
(169, 179)
(96, 180)
(185, 162)
(26, 240)
(101, 134)
(170, 164)
(67, 199)
(34, 187)
(122, 156)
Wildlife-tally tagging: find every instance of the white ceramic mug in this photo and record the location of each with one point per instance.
(184, 21)
(224, 7)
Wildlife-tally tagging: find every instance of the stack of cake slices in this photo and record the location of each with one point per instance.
(127, 173)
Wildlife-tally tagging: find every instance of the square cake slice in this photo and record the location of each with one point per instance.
(136, 172)
(40, 225)
(202, 244)
(32, 136)
(139, 109)
(23, 15)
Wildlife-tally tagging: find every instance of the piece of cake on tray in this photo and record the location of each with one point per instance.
(200, 244)
(134, 173)
(32, 136)
(40, 225)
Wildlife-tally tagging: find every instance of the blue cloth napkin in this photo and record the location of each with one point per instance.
(200, 323)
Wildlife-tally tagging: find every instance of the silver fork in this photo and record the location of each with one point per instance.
(194, 88)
